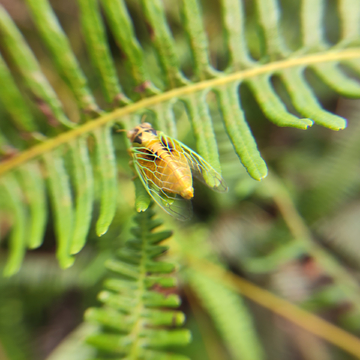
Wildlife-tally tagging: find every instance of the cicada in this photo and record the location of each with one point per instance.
(166, 168)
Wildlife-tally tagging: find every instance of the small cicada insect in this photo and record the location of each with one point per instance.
(166, 168)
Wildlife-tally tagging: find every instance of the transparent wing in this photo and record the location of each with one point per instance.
(199, 167)
(173, 204)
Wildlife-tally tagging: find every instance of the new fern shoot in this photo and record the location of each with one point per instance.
(139, 318)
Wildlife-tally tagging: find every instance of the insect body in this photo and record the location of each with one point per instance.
(166, 167)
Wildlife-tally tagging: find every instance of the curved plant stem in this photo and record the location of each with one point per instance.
(300, 231)
(281, 307)
(273, 67)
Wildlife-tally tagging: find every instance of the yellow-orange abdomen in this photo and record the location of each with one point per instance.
(169, 171)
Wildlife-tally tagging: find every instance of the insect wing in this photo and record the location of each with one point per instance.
(173, 204)
(200, 169)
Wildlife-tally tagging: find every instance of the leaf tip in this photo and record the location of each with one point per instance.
(66, 262)
(260, 173)
(75, 249)
(307, 123)
(101, 229)
(10, 271)
(142, 206)
(343, 126)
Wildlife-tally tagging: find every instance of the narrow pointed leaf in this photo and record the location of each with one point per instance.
(206, 145)
(13, 100)
(62, 203)
(163, 42)
(305, 102)
(122, 28)
(273, 107)
(17, 241)
(35, 192)
(234, 26)
(239, 132)
(97, 44)
(337, 80)
(142, 198)
(349, 13)
(312, 23)
(116, 344)
(110, 318)
(107, 172)
(84, 193)
(164, 118)
(164, 338)
(162, 318)
(193, 24)
(30, 69)
(58, 44)
(268, 16)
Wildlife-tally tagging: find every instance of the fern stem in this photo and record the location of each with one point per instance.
(37, 150)
(338, 177)
(300, 231)
(138, 310)
(135, 300)
(230, 315)
(283, 308)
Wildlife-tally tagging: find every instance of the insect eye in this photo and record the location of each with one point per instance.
(138, 139)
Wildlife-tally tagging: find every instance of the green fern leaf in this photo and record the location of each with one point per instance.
(134, 323)
(48, 132)
(230, 316)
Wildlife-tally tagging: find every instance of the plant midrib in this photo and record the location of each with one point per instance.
(136, 330)
(38, 150)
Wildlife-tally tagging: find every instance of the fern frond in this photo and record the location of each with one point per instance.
(30, 70)
(135, 324)
(49, 133)
(230, 316)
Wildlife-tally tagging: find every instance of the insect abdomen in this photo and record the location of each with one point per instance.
(169, 170)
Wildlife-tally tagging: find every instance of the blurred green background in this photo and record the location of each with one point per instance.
(314, 181)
